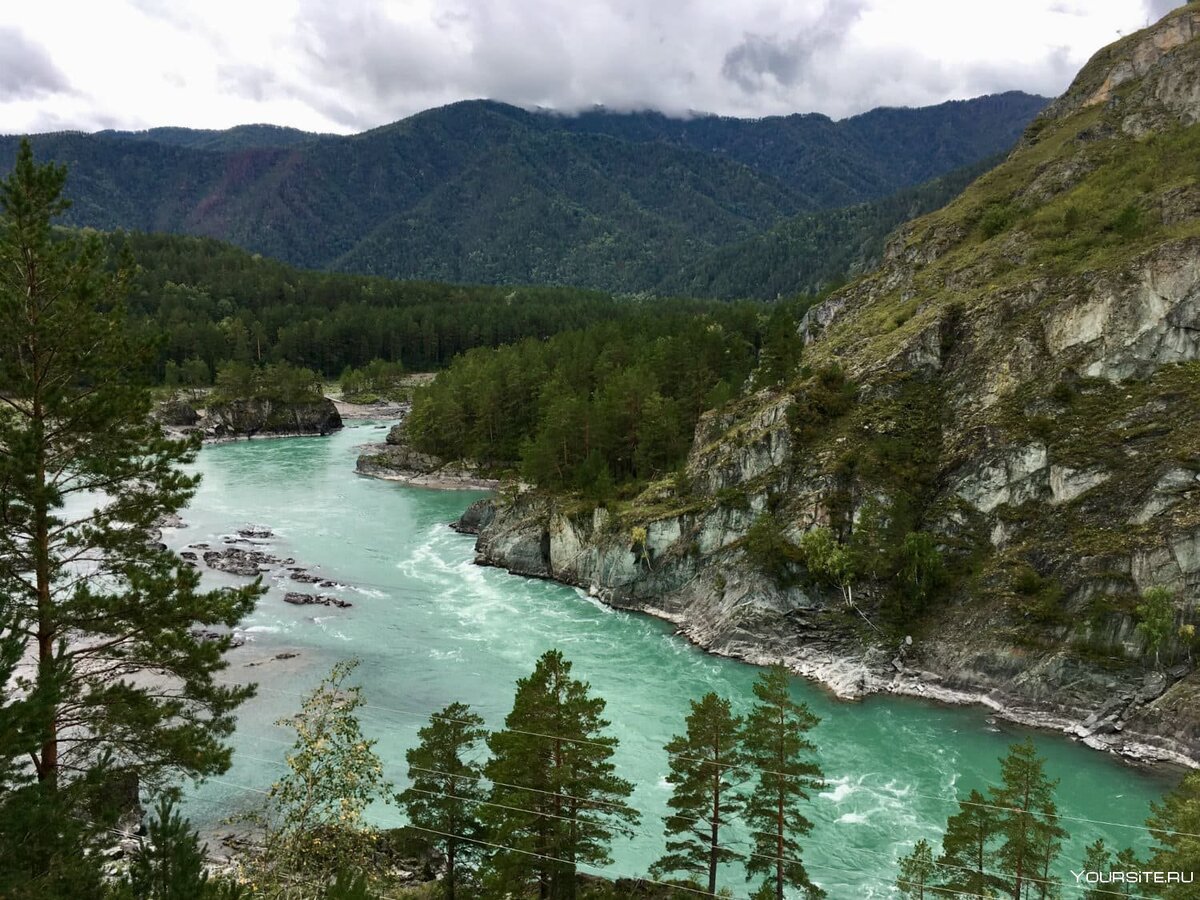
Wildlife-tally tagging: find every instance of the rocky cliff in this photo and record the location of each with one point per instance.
(1020, 381)
(263, 417)
(397, 460)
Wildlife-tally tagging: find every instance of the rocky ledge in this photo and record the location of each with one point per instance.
(688, 571)
(250, 418)
(397, 460)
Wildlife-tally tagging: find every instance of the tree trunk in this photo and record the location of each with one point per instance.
(47, 765)
(714, 835)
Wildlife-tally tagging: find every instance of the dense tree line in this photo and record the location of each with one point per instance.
(589, 409)
(205, 303)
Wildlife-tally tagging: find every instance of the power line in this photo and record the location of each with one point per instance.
(939, 798)
(730, 846)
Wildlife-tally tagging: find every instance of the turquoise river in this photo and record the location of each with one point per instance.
(430, 627)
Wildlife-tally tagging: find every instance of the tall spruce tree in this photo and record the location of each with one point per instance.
(967, 848)
(1048, 844)
(1026, 821)
(104, 612)
(917, 872)
(557, 801)
(445, 795)
(1098, 858)
(706, 767)
(779, 754)
(1174, 823)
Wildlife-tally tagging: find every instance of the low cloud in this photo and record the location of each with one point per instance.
(28, 70)
(357, 64)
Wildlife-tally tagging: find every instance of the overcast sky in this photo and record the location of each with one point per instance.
(349, 65)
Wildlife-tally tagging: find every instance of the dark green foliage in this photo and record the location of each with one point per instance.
(822, 397)
(816, 251)
(706, 766)
(919, 575)
(769, 551)
(917, 872)
(610, 404)
(170, 863)
(555, 792)
(445, 792)
(47, 851)
(277, 382)
(1026, 822)
(967, 848)
(75, 423)
(1007, 843)
(1175, 823)
(484, 192)
(781, 347)
(779, 755)
(207, 303)
(996, 219)
(377, 380)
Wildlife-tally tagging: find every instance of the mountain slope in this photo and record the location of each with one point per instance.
(481, 191)
(1000, 429)
(807, 253)
(839, 163)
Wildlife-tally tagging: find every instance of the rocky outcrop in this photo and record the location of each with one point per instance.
(397, 460)
(263, 417)
(177, 414)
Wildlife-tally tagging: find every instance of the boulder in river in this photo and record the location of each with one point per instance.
(298, 599)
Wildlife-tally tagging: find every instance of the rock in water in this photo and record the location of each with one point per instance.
(247, 418)
(298, 599)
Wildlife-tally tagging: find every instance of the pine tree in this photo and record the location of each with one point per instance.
(445, 793)
(1098, 858)
(1048, 840)
(1025, 817)
(557, 801)
(966, 848)
(781, 348)
(916, 872)
(779, 754)
(1175, 822)
(170, 864)
(705, 768)
(84, 476)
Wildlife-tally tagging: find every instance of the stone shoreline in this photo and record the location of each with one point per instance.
(849, 675)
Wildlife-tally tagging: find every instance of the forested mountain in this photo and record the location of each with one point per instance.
(838, 163)
(813, 251)
(240, 137)
(484, 192)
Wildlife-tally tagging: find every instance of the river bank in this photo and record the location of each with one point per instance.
(724, 609)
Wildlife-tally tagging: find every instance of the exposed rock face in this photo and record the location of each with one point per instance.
(397, 460)
(177, 413)
(1032, 404)
(249, 418)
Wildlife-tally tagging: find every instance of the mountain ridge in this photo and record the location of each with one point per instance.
(485, 192)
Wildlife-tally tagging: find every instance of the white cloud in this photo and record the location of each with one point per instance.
(355, 64)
